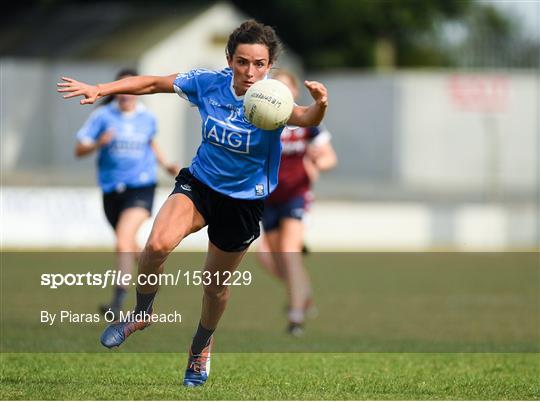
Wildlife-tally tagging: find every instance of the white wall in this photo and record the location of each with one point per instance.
(73, 218)
(402, 133)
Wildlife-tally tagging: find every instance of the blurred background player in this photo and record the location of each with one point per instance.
(306, 151)
(122, 131)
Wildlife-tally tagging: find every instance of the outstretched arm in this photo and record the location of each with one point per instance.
(308, 116)
(137, 85)
(171, 168)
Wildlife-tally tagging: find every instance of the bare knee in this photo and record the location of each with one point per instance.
(159, 246)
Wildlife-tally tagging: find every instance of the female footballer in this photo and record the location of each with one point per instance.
(122, 131)
(234, 170)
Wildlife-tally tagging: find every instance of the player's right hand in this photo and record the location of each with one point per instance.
(77, 88)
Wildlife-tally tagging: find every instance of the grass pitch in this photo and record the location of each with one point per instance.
(460, 326)
(269, 376)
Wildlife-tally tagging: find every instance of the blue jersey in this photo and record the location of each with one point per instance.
(235, 158)
(128, 160)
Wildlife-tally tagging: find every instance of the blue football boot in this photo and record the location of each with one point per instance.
(116, 333)
(198, 367)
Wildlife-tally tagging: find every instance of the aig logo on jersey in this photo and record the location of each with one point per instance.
(226, 135)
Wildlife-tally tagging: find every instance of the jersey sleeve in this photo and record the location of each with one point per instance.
(190, 85)
(92, 128)
(319, 135)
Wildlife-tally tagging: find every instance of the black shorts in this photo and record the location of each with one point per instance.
(115, 202)
(233, 224)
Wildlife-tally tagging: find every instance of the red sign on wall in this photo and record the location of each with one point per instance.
(479, 93)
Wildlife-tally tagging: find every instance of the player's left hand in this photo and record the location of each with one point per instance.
(318, 92)
(77, 88)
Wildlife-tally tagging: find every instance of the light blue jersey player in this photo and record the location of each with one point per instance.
(128, 160)
(235, 158)
(235, 168)
(122, 132)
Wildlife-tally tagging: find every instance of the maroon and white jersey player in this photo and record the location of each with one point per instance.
(294, 179)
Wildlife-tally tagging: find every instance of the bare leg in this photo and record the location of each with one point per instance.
(298, 284)
(216, 295)
(265, 254)
(127, 248)
(176, 219)
(214, 302)
(128, 225)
